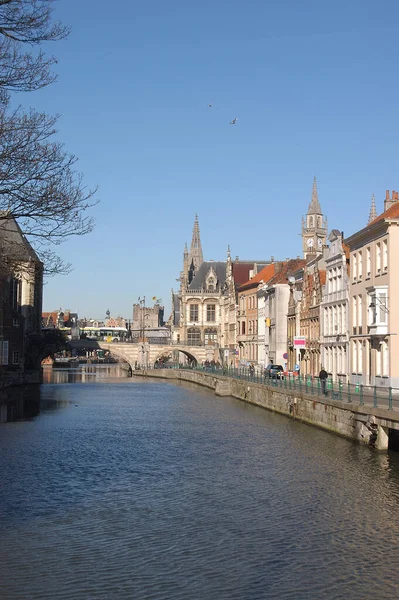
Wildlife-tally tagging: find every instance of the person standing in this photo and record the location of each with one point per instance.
(323, 380)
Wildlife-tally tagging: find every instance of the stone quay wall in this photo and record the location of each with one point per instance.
(362, 424)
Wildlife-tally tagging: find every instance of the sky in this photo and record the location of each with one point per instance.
(314, 87)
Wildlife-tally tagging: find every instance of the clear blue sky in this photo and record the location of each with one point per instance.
(314, 86)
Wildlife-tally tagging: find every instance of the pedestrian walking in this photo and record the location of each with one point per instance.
(323, 380)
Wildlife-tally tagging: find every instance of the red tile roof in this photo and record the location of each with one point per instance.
(241, 272)
(391, 213)
(287, 268)
(264, 274)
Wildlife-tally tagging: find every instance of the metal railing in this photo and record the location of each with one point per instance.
(356, 394)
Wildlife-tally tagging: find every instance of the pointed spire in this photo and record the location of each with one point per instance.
(185, 249)
(373, 210)
(195, 255)
(314, 206)
(228, 251)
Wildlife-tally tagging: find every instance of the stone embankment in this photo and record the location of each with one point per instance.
(363, 424)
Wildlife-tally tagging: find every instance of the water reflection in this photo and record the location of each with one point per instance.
(25, 402)
(20, 403)
(84, 373)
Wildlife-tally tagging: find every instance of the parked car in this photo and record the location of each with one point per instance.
(274, 371)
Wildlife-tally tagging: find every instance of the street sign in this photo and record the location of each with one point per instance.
(285, 355)
(300, 341)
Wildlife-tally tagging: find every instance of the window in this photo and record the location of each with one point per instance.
(211, 336)
(194, 337)
(359, 313)
(211, 284)
(385, 255)
(243, 328)
(360, 359)
(368, 262)
(14, 292)
(378, 257)
(360, 265)
(354, 267)
(210, 313)
(354, 313)
(15, 322)
(310, 221)
(4, 352)
(194, 313)
(354, 356)
(15, 357)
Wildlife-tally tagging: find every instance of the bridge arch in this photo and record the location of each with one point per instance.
(169, 351)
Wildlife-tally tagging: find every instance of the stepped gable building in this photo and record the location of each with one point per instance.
(373, 286)
(204, 308)
(21, 287)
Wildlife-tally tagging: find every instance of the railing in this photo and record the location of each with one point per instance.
(356, 394)
(169, 342)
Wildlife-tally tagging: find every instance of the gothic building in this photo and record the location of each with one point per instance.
(204, 309)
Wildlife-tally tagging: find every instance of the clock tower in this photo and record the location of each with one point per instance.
(314, 226)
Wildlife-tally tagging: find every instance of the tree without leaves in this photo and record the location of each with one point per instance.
(26, 23)
(38, 184)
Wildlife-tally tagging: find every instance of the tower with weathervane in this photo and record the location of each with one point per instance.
(314, 226)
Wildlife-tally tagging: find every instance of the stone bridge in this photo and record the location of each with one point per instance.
(145, 353)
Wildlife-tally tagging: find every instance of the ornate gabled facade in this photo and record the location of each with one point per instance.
(204, 309)
(335, 309)
(312, 295)
(314, 226)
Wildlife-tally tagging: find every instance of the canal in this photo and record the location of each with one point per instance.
(136, 489)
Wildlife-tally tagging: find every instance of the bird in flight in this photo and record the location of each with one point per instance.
(210, 105)
(234, 121)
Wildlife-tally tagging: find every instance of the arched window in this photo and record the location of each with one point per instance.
(310, 221)
(194, 336)
(211, 284)
(211, 335)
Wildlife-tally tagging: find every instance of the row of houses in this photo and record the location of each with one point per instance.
(335, 306)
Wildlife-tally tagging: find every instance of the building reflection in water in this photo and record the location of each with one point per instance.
(20, 403)
(23, 402)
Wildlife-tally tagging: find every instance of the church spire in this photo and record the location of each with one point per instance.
(373, 210)
(195, 257)
(314, 206)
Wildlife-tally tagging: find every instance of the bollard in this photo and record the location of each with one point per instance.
(390, 398)
(349, 392)
(361, 395)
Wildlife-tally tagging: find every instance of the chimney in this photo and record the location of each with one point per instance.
(389, 201)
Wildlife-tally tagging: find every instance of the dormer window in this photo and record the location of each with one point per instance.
(211, 284)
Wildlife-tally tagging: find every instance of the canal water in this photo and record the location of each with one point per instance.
(121, 488)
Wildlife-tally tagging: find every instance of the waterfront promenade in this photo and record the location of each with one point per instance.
(365, 416)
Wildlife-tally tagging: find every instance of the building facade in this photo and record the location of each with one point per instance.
(334, 327)
(373, 288)
(21, 288)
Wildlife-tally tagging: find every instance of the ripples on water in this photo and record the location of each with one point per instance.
(147, 490)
